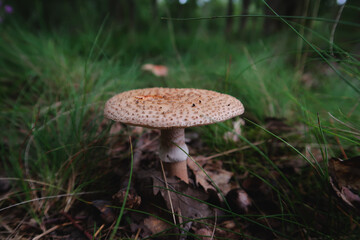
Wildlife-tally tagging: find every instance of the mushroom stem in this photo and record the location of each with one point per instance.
(174, 152)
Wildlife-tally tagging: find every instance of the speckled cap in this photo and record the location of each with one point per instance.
(172, 107)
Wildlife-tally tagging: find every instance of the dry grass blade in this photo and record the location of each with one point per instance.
(232, 151)
(70, 198)
(213, 231)
(99, 230)
(167, 187)
(50, 230)
(43, 198)
(137, 234)
(7, 227)
(343, 123)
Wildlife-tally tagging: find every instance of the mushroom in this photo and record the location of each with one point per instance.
(172, 110)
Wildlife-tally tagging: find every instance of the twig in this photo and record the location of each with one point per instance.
(213, 231)
(137, 234)
(17, 227)
(7, 227)
(168, 191)
(50, 230)
(182, 232)
(70, 199)
(87, 234)
(99, 230)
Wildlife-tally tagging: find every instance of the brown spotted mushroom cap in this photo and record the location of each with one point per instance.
(172, 107)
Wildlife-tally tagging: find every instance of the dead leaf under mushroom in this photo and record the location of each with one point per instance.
(186, 200)
(214, 171)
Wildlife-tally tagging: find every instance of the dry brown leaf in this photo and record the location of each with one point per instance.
(219, 176)
(132, 199)
(214, 170)
(155, 225)
(152, 183)
(200, 177)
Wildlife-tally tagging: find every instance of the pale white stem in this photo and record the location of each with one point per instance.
(174, 152)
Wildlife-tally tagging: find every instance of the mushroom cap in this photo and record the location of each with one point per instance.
(172, 107)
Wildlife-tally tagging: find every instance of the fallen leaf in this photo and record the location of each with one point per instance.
(200, 177)
(345, 179)
(157, 70)
(152, 183)
(214, 171)
(155, 225)
(219, 175)
(132, 201)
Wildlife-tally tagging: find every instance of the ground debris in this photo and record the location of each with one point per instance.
(185, 198)
(345, 179)
(5, 185)
(133, 200)
(155, 225)
(239, 200)
(106, 213)
(209, 171)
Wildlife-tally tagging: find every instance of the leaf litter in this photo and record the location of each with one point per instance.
(198, 206)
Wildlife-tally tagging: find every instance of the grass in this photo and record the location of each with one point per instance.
(54, 138)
